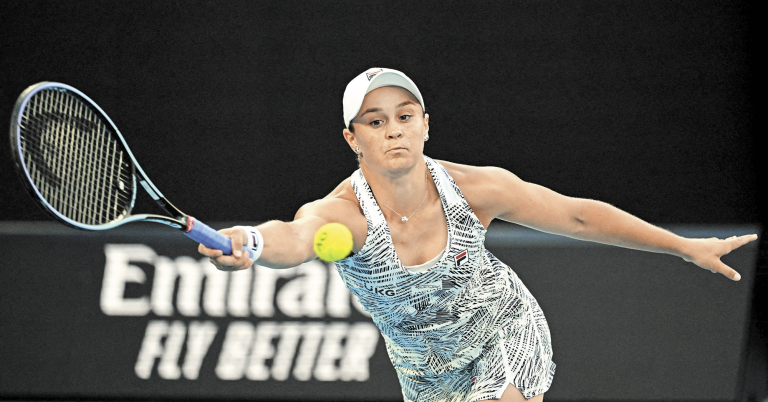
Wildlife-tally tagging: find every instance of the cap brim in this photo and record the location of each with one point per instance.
(384, 79)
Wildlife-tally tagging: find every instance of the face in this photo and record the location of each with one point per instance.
(389, 129)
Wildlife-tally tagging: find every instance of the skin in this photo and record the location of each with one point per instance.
(389, 132)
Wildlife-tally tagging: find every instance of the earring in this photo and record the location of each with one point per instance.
(357, 150)
(426, 137)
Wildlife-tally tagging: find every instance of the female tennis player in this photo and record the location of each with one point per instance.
(458, 324)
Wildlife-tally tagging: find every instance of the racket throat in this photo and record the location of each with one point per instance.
(172, 210)
(151, 190)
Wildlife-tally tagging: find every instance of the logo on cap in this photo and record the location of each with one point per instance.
(371, 75)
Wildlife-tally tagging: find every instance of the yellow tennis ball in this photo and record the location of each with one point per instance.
(333, 242)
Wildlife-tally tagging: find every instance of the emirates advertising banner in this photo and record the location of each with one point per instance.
(137, 313)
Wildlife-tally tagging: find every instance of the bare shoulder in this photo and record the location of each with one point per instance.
(340, 205)
(483, 187)
(460, 171)
(339, 202)
(482, 178)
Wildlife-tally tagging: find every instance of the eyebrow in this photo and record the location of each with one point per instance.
(378, 109)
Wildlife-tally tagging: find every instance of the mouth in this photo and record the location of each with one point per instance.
(397, 149)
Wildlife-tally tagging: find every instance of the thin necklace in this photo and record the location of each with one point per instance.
(405, 218)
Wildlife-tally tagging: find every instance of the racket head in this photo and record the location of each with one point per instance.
(71, 157)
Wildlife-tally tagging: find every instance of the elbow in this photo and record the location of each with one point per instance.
(280, 263)
(278, 266)
(582, 216)
(578, 227)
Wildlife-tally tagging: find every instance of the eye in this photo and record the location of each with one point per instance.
(376, 123)
(405, 117)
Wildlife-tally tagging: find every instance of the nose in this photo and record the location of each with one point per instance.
(395, 132)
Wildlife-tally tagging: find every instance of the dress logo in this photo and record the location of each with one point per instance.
(461, 258)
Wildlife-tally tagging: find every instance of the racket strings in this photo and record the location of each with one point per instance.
(91, 206)
(74, 159)
(64, 173)
(79, 149)
(76, 203)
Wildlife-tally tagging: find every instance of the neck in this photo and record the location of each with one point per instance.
(402, 190)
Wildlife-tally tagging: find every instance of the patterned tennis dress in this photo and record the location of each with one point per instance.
(461, 331)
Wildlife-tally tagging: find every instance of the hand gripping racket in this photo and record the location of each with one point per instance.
(77, 165)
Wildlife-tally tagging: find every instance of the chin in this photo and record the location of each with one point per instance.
(403, 160)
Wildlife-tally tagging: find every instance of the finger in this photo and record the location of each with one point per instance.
(208, 252)
(237, 246)
(228, 260)
(245, 260)
(736, 242)
(742, 240)
(727, 271)
(225, 268)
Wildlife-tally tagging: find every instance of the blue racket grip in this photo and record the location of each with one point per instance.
(204, 234)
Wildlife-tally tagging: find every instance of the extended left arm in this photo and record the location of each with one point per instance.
(540, 208)
(604, 223)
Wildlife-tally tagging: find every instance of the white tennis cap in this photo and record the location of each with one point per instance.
(368, 81)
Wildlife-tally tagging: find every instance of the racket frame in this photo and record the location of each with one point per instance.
(191, 227)
(180, 219)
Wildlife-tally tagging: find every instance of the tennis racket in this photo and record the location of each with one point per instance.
(78, 167)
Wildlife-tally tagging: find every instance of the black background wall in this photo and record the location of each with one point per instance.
(234, 108)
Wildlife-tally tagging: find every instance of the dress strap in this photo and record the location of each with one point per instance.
(447, 188)
(365, 197)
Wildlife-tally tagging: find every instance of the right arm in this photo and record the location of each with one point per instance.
(288, 244)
